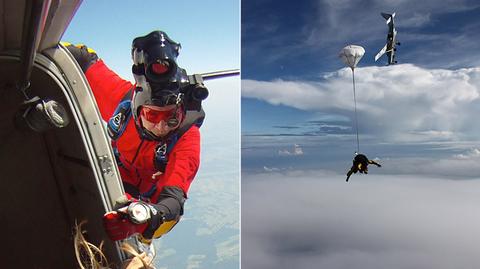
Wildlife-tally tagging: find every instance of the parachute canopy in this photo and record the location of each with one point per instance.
(351, 55)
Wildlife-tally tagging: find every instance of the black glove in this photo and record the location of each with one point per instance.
(85, 56)
(168, 208)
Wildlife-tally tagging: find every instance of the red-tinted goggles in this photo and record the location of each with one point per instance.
(157, 114)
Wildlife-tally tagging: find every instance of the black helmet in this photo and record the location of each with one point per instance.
(158, 78)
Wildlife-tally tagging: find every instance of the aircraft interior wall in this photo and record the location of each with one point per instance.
(47, 182)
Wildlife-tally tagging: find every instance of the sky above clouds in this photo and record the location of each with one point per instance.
(417, 118)
(301, 39)
(290, 64)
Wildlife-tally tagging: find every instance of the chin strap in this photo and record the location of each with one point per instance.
(174, 121)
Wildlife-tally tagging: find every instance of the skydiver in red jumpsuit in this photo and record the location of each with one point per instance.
(156, 160)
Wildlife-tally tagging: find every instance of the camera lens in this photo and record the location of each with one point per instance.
(200, 93)
(160, 68)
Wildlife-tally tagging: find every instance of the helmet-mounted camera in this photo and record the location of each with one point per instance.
(161, 82)
(195, 92)
(158, 78)
(154, 56)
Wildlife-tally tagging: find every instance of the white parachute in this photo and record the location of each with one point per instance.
(351, 55)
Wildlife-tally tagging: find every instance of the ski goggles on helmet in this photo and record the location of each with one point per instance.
(172, 115)
(156, 114)
(160, 120)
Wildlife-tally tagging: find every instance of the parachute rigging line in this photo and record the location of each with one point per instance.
(351, 55)
(356, 118)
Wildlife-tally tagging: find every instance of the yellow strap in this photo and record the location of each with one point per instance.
(89, 50)
(161, 230)
(164, 228)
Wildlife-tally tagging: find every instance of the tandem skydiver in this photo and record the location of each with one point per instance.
(155, 136)
(360, 164)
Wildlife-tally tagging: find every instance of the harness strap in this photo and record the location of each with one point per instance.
(162, 151)
(192, 117)
(146, 196)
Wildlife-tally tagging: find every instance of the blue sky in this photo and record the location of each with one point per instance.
(300, 41)
(417, 118)
(283, 39)
(209, 31)
(206, 30)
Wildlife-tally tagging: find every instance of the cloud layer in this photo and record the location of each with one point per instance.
(297, 151)
(402, 102)
(316, 220)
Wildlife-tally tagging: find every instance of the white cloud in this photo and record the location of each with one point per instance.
(297, 151)
(459, 166)
(228, 249)
(316, 220)
(403, 102)
(270, 169)
(195, 261)
(417, 20)
(471, 154)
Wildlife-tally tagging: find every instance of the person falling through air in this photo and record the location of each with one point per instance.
(360, 164)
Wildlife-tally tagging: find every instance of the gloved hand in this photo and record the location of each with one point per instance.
(85, 56)
(119, 226)
(131, 217)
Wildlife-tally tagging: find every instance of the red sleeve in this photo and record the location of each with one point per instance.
(107, 87)
(183, 162)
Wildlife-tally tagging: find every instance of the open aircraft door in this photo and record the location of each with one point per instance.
(57, 177)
